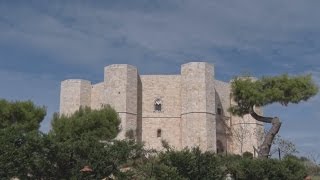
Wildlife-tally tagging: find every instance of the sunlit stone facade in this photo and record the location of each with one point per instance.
(186, 110)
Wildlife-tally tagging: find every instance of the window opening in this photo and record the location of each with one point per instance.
(159, 133)
(220, 148)
(219, 110)
(157, 105)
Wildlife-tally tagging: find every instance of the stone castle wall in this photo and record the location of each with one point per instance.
(74, 93)
(193, 107)
(121, 92)
(247, 134)
(198, 123)
(98, 96)
(167, 89)
(222, 95)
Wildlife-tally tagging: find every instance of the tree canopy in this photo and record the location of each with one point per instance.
(249, 93)
(74, 142)
(80, 139)
(102, 124)
(21, 114)
(22, 147)
(284, 89)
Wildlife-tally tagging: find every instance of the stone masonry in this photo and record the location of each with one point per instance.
(186, 110)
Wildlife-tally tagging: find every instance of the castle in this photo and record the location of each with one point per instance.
(186, 110)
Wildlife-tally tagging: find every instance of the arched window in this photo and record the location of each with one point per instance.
(157, 105)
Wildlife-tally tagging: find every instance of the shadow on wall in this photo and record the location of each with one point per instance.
(139, 111)
(221, 126)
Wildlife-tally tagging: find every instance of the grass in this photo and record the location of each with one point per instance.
(315, 177)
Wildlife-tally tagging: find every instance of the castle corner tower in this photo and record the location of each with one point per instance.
(74, 93)
(121, 90)
(198, 119)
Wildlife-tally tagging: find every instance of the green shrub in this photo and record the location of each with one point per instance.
(194, 164)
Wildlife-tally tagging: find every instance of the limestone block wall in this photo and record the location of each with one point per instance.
(194, 131)
(98, 98)
(85, 93)
(246, 133)
(170, 132)
(167, 89)
(74, 93)
(190, 102)
(222, 95)
(198, 123)
(121, 84)
(164, 87)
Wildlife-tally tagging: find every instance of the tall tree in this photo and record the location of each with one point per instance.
(249, 93)
(22, 146)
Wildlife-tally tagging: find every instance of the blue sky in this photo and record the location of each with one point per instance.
(44, 42)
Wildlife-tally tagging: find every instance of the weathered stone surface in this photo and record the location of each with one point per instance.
(74, 93)
(198, 106)
(193, 107)
(121, 92)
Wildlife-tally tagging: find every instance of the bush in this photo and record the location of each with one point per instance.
(194, 164)
(247, 155)
(271, 169)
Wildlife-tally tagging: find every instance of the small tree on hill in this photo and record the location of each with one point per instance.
(284, 89)
(283, 146)
(240, 134)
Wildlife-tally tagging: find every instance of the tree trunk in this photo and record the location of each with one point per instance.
(265, 147)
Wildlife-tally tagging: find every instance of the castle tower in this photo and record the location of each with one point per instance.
(198, 119)
(121, 90)
(74, 94)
